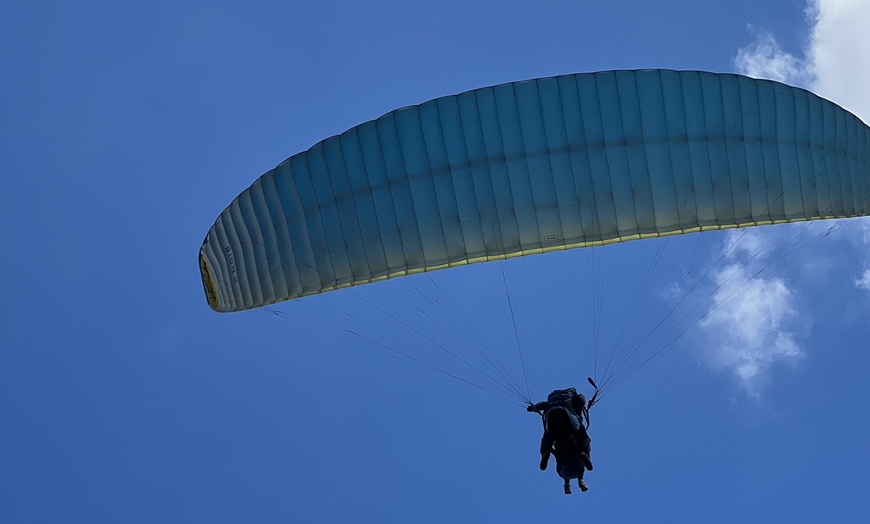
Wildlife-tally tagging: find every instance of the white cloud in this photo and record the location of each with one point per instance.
(766, 59)
(863, 282)
(834, 62)
(747, 242)
(754, 328)
(752, 317)
(838, 53)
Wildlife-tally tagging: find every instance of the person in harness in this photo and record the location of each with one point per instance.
(565, 415)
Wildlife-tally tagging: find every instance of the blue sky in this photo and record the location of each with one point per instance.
(126, 129)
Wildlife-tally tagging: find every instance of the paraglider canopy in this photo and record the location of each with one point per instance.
(535, 166)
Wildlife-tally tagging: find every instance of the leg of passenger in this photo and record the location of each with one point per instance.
(586, 446)
(546, 446)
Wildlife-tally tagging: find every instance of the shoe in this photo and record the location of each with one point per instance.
(586, 461)
(567, 489)
(582, 484)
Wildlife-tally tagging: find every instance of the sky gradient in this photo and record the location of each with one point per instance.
(123, 398)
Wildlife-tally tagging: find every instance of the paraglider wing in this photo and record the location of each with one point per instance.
(535, 166)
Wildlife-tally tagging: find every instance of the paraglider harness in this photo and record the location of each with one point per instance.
(562, 398)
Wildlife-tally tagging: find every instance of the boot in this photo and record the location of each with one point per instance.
(582, 484)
